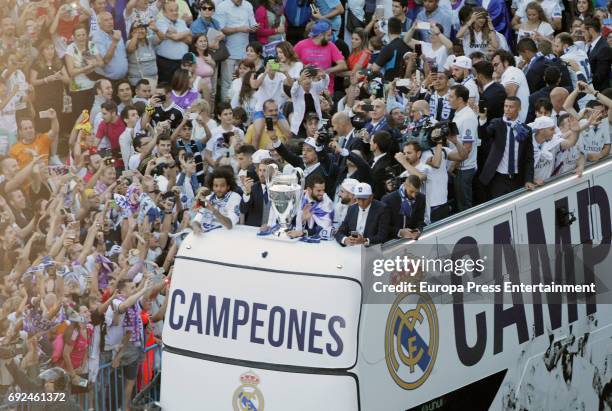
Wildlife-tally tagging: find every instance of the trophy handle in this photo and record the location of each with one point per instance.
(302, 182)
(271, 171)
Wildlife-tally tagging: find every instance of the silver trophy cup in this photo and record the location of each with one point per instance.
(285, 190)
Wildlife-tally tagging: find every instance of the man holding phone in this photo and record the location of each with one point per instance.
(433, 13)
(407, 209)
(367, 222)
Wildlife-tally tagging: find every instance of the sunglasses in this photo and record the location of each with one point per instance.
(207, 8)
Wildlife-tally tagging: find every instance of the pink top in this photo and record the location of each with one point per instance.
(264, 31)
(204, 70)
(320, 56)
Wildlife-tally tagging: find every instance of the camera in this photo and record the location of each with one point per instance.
(358, 123)
(227, 136)
(439, 133)
(324, 136)
(109, 161)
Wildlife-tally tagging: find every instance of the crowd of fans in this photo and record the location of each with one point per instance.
(125, 125)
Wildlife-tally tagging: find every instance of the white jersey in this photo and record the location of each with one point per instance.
(544, 157)
(480, 43)
(436, 191)
(566, 160)
(580, 57)
(596, 137)
(515, 76)
(216, 145)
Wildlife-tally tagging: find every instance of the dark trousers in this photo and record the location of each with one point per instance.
(439, 212)
(463, 189)
(502, 184)
(166, 69)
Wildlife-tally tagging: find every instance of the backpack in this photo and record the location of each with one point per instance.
(298, 12)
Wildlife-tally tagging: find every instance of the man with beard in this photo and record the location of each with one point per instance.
(319, 51)
(344, 201)
(317, 214)
(461, 71)
(438, 101)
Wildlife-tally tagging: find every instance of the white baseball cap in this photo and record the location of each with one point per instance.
(349, 184)
(311, 142)
(362, 190)
(259, 156)
(542, 122)
(463, 62)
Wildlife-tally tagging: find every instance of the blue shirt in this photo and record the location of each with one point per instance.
(326, 7)
(438, 16)
(229, 15)
(118, 66)
(201, 26)
(171, 49)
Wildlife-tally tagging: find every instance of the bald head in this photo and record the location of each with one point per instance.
(105, 21)
(420, 109)
(341, 123)
(557, 97)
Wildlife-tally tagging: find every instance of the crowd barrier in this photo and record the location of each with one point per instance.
(107, 393)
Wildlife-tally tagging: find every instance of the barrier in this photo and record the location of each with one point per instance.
(107, 393)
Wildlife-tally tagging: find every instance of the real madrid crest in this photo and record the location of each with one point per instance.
(248, 397)
(411, 339)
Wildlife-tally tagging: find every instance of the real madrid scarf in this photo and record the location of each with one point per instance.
(322, 215)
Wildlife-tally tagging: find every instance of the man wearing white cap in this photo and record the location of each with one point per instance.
(461, 70)
(366, 222)
(547, 143)
(344, 201)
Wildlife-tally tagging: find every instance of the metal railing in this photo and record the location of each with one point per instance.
(107, 394)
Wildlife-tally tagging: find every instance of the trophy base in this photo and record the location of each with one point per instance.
(281, 235)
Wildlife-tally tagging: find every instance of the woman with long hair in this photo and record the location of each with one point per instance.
(536, 26)
(270, 17)
(254, 54)
(140, 49)
(478, 33)
(205, 65)
(436, 51)
(360, 54)
(48, 76)
(246, 98)
(82, 58)
(243, 67)
(584, 9)
(290, 63)
(182, 93)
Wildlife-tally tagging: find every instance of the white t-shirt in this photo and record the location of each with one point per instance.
(467, 124)
(515, 76)
(198, 133)
(595, 138)
(216, 143)
(552, 8)
(271, 88)
(438, 56)
(134, 161)
(471, 85)
(543, 29)
(480, 43)
(436, 191)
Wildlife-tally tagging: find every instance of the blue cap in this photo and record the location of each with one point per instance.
(320, 27)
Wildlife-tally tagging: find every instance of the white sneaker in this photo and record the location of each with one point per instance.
(55, 161)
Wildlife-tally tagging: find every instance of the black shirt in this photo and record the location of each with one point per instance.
(172, 113)
(391, 59)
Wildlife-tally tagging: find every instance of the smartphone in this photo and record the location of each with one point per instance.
(161, 97)
(423, 25)
(453, 128)
(193, 116)
(269, 124)
(404, 82)
(367, 107)
(354, 234)
(274, 65)
(418, 49)
(44, 114)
